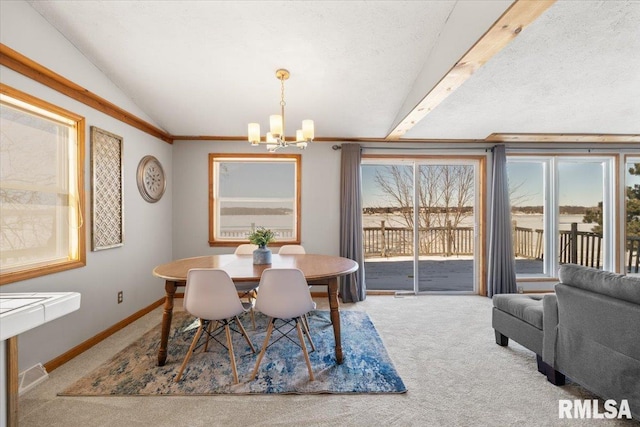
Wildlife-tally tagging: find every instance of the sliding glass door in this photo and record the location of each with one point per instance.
(447, 222)
(387, 221)
(420, 224)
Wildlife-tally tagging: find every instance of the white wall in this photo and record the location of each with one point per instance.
(147, 240)
(320, 196)
(175, 227)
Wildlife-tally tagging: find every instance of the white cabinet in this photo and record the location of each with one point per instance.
(20, 312)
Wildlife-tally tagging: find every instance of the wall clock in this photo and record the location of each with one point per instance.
(151, 179)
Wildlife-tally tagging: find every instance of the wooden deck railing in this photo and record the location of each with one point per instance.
(577, 247)
(398, 241)
(633, 254)
(241, 232)
(580, 247)
(527, 242)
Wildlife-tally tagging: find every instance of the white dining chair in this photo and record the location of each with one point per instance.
(211, 296)
(245, 249)
(284, 295)
(294, 250)
(291, 250)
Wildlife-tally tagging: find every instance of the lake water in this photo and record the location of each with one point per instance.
(280, 222)
(267, 221)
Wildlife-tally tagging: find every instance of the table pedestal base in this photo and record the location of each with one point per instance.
(335, 316)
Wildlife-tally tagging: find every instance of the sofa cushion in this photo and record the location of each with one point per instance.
(626, 288)
(525, 307)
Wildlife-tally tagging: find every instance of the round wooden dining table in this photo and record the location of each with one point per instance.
(317, 269)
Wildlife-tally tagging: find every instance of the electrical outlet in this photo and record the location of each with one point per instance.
(120, 297)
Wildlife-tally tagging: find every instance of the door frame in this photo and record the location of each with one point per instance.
(480, 173)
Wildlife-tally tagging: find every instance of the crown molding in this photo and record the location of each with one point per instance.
(29, 68)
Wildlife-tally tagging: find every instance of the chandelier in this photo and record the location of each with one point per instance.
(276, 138)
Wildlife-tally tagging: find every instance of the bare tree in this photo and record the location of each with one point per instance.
(445, 195)
(516, 196)
(445, 201)
(397, 185)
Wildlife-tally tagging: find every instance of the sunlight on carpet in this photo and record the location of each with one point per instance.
(367, 367)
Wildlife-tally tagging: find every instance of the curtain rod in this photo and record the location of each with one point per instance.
(507, 148)
(338, 147)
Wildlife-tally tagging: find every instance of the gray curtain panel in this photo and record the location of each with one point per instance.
(501, 263)
(352, 287)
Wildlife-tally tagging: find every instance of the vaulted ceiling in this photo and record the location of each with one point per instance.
(358, 68)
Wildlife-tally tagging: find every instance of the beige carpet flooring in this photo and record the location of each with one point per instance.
(442, 346)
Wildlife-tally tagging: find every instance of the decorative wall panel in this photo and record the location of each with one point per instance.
(107, 190)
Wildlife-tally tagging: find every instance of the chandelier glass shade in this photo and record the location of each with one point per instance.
(275, 138)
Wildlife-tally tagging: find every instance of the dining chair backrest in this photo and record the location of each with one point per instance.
(291, 250)
(210, 294)
(284, 293)
(246, 249)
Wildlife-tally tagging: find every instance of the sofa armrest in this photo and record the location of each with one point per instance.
(550, 329)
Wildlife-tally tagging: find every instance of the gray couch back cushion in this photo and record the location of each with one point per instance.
(626, 288)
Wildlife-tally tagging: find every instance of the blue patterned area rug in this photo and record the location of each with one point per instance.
(367, 367)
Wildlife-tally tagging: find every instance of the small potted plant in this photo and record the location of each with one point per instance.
(262, 237)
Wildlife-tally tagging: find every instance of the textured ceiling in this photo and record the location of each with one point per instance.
(576, 69)
(208, 68)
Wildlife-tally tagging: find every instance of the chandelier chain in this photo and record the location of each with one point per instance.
(282, 92)
(282, 104)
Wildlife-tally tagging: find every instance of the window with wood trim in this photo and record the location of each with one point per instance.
(247, 191)
(562, 210)
(41, 187)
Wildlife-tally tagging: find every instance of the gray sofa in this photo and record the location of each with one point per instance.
(591, 332)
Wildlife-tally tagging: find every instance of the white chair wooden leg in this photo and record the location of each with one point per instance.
(304, 348)
(244, 334)
(215, 326)
(206, 344)
(264, 348)
(231, 355)
(191, 348)
(252, 298)
(307, 331)
(306, 322)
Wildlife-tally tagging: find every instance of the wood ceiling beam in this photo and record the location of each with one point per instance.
(565, 137)
(518, 16)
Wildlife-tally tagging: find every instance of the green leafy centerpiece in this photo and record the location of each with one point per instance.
(262, 237)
